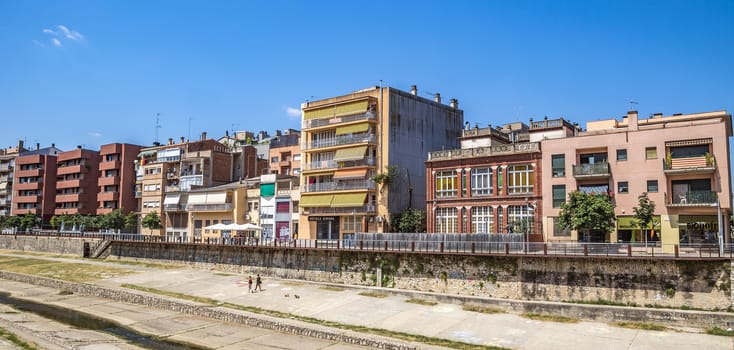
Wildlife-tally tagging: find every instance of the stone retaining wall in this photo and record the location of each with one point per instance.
(212, 312)
(46, 244)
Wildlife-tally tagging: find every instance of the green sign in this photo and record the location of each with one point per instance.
(629, 223)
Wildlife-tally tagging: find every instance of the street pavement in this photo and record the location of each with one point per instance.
(448, 321)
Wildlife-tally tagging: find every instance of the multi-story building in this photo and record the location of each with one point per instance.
(77, 173)
(492, 184)
(176, 168)
(681, 161)
(7, 164)
(285, 153)
(223, 204)
(34, 183)
(116, 183)
(279, 197)
(247, 161)
(346, 140)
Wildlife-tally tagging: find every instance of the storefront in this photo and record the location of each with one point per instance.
(698, 229)
(628, 231)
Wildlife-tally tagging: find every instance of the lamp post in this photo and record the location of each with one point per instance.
(721, 227)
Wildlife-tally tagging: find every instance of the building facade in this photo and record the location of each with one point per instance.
(77, 173)
(7, 166)
(348, 140)
(116, 182)
(285, 153)
(34, 183)
(492, 184)
(681, 161)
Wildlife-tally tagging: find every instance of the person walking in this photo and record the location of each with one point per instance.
(259, 283)
(249, 284)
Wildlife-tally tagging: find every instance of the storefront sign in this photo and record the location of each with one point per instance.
(322, 218)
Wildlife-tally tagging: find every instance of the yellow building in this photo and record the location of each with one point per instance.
(224, 204)
(379, 133)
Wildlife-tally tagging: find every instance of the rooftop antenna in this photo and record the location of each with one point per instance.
(188, 134)
(633, 105)
(157, 125)
(233, 125)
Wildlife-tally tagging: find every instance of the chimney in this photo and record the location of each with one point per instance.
(156, 144)
(414, 90)
(203, 135)
(632, 120)
(437, 97)
(278, 133)
(226, 133)
(78, 146)
(182, 139)
(454, 103)
(53, 145)
(170, 140)
(20, 145)
(38, 146)
(657, 115)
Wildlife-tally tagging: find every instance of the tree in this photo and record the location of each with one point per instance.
(114, 220)
(644, 213)
(56, 221)
(152, 221)
(27, 221)
(585, 212)
(412, 220)
(12, 221)
(131, 221)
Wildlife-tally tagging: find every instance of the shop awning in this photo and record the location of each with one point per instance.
(354, 153)
(216, 198)
(197, 198)
(688, 142)
(337, 110)
(352, 129)
(319, 200)
(172, 199)
(349, 200)
(267, 190)
(350, 174)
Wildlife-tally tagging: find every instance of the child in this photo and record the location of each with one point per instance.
(249, 284)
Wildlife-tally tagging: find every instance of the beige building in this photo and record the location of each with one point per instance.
(224, 204)
(681, 161)
(346, 140)
(7, 164)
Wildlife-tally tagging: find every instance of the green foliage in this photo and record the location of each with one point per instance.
(585, 212)
(27, 221)
(412, 220)
(386, 178)
(115, 220)
(644, 212)
(55, 221)
(11, 221)
(152, 221)
(131, 221)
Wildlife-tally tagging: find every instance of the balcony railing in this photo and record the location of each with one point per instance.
(138, 194)
(209, 207)
(173, 207)
(347, 210)
(173, 189)
(340, 185)
(693, 199)
(689, 165)
(314, 123)
(333, 164)
(340, 140)
(591, 170)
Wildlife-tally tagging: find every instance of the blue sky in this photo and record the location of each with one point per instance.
(95, 72)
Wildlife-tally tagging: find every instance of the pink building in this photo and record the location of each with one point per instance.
(681, 161)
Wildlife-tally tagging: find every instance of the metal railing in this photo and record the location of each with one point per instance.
(209, 207)
(693, 198)
(333, 164)
(591, 169)
(314, 123)
(498, 244)
(340, 185)
(340, 140)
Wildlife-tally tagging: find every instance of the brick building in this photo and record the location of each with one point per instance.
(34, 183)
(116, 182)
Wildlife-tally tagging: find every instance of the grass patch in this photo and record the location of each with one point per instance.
(292, 283)
(719, 331)
(642, 325)
(332, 288)
(602, 302)
(224, 274)
(482, 309)
(73, 272)
(373, 294)
(550, 318)
(65, 292)
(15, 340)
(145, 264)
(362, 329)
(422, 302)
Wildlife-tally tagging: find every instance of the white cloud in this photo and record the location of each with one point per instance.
(49, 31)
(56, 42)
(63, 33)
(94, 134)
(70, 34)
(293, 112)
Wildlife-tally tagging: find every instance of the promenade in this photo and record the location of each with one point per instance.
(351, 306)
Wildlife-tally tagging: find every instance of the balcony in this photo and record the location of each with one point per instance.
(347, 210)
(29, 173)
(340, 185)
(340, 141)
(591, 171)
(315, 123)
(518, 148)
(111, 165)
(71, 169)
(689, 165)
(173, 189)
(5, 167)
(138, 194)
(5, 178)
(333, 164)
(28, 199)
(4, 212)
(4, 202)
(109, 180)
(27, 185)
(172, 175)
(692, 199)
(68, 184)
(173, 207)
(63, 198)
(209, 207)
(108, 196)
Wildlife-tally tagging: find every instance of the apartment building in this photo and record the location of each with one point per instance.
(223, 204)
(7, 165)
(681, 161)
(247, 161)
(34, 183)
(285, 153)
(279, 197)
(492, 184)
(346, 140)
(77, 173)
(116, 182)
(178, 168)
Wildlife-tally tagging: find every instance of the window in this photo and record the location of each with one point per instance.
(282, 207)
(652, 185)
(559, 231)
(558, 163)
(622, 154)
(520, 218)
(297, 157)
(481, 182)
(520, 179)
(274, 159)
(623, 187)
(482, 220)
(446, 184)
(651, 153)
(559, 195)
(446, 220)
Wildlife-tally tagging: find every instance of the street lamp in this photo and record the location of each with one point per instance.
(721, 227)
